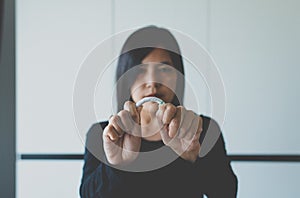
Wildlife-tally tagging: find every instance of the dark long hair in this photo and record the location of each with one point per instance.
(138, 45)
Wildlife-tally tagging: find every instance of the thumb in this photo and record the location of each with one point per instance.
(135, 115)
(165, 135)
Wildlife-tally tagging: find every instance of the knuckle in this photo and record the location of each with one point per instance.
(123, 113)
(174, 123)
(113, 119)
(127, 104)
(162, 107)
(107, 131)
(181, 108)
(109, 128)
(170, 107)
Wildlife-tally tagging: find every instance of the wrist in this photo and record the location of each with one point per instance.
(192, 158)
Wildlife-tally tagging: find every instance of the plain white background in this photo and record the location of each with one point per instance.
(254, 43)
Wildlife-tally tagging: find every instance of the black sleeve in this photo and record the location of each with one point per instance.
(218, 179)
(98, 179)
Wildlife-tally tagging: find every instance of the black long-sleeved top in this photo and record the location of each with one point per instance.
(211, 175)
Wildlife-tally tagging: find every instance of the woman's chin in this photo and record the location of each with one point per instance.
(150, 129)
(154, 137)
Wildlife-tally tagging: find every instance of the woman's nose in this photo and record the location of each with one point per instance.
(152, 79)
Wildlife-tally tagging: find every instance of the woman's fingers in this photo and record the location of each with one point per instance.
(131, 118)
(168, 115)
(193, 130)
(117, 125)
(169, 112)
(110, 134)
(164, 135)
(121, 137)
(131, 108)
(166, 112)
(175, 124)
(127, 121)
(200, 126)
(187, 120)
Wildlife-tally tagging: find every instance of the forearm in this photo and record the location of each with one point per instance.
(219, 179)
(103, 182)
(223, 183)
(215, 168)
(98, 179)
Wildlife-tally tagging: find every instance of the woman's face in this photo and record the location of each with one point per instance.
(156, 76)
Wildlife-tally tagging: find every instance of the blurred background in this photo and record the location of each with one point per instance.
(255, 44)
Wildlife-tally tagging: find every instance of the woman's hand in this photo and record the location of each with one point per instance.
(121, 137)
(181, 130)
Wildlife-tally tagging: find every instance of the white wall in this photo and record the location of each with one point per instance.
(254, 43)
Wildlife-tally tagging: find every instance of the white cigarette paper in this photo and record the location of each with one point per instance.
(149, 99)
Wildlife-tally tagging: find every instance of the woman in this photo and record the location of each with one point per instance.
(150, 65)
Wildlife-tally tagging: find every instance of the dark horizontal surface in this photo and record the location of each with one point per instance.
(51, 157)
(254, 158)
(266, 158)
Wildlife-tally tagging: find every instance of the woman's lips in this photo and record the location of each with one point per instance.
(154, 95)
